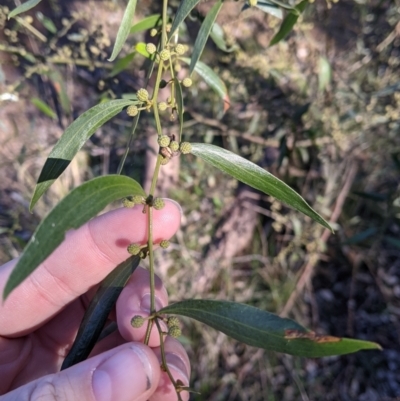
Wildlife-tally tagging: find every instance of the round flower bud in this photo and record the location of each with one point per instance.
(180, 49)
(151, 48)
(137, 321)
(164, 161)
(153, 32)
(142, 95)
(134, 249)
(132, 110)
(128, 202)
(138, 199)
(158, 203)
(175, 331)
(185, 148)
(165, 55)
(164, 244)
(162, 106)
(173, 321)
(187, 82)
(174, 146)
(164, 140)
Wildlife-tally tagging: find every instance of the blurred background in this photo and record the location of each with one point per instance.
(321, 110)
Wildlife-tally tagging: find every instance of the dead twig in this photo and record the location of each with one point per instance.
(308, 268)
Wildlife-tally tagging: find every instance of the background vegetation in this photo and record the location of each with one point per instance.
(320, 110)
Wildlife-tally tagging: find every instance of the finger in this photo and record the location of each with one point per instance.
(130, 372)
(135, 300)
(178, 365)
(86, 256)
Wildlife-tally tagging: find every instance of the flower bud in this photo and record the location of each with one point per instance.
(175, 331)
(151, 48)
(185, 148)
(158, 203)
(174, 146)
(134, 249)
(180, 49)
(164, 244)
(165, 55)
(132, 110)
(137, 321)
(187, 82)
(164, 141)
(142, 95)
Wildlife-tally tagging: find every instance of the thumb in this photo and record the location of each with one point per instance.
(129, 372)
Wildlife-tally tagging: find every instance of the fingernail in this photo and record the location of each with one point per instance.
(175, 362)
(123, 377)
(176, 204)
(145, 303)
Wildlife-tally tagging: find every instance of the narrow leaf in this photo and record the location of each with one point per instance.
(212, 80)
(79, 206)
(124, 29)
(271, 9)
(288, 23)
(44, 107)
(146, 23)
(179, 103)
(362, 236)
(324, 73)
(204, 33)
(121, 64)
(141, 49)
(47, 22)
(98, 310)
(23, 7)
(182, 12)
(218, 37)
(72, 140)
(265, 330)
(254, 176)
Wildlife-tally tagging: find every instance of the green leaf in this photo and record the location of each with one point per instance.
(179, 103)
(324, 73)
(392, 241)
(72, 140)
(124, 29)
(146, 23)
(47, 22)
(269, 8)
(121, 64)
(288, 23)
(218, 37)
(23, 7)
(254, 176)
(265, 330)
(204, 33)
(141, 49)
(182, 12)
(284, 6)
(98, 311)
(58, 81)
(44, 107)
(79, 206)
(362, 236)
(212, 80)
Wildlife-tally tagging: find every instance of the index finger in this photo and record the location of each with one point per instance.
(85, 257)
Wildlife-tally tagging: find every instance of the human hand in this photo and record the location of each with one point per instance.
(40, 319)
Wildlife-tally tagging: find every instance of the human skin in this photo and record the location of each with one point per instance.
(40, 318)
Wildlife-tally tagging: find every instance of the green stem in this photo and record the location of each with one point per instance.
(155, 175)
(163, 358)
